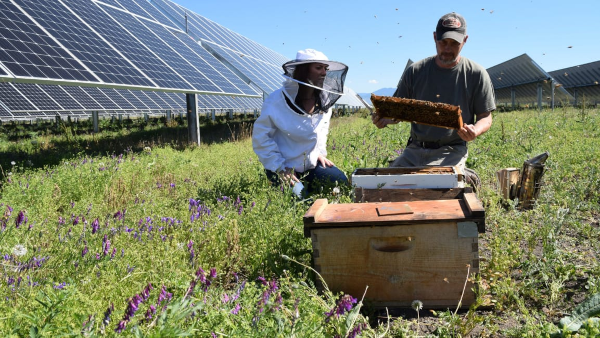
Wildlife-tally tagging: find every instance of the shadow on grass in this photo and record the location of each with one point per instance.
(39, 145)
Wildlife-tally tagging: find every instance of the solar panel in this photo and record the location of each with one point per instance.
(104, 101)
(99, 57)
(5, 112)
(266, 76)
(28, 51)
(133, 99)
(117, 98)
(145, 9)
(147, 100)
(13, 99)
(38, 96)
(79, 94)
(63, 98)
(197, 71)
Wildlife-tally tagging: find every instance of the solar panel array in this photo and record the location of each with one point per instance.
(521, 81)
(583, 82)
(79, 56)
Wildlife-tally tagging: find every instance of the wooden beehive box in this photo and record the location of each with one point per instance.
(408, 178)
(403, 251)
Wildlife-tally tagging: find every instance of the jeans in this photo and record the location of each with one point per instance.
(314, 179)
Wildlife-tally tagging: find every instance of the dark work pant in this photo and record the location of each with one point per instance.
(314, 179)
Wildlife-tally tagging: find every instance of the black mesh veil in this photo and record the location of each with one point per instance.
(333, 84)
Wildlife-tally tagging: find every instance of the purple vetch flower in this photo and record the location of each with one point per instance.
(213, 273)
(84, 251)
(119, 215)
(192, 256)
(95, 226)
(107, 314)
(344, 304)
(75, 220)
(236, 309)
(132, 307)
(239, 290)
(151, 311)
(114, 251)
(21, 218)
(357, 330)
(146, 292)
(61, 221)
(164, 296)
(60, 286)
(225, 299)
(97, 256)
(105, 245)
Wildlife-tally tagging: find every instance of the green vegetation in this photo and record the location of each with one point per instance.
(131, 232)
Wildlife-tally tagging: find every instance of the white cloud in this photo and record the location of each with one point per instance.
(373, 81)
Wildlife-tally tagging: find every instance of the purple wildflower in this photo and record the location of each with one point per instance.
(21, 218)
(84, 251)
(236, 309)
(146, 292)
(151, 311)
(343, 305)
(95, 225)
(105, 245)
(107, 314)
(164, 296)
(357, 330)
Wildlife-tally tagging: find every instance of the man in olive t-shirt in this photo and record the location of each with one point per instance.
(449, 78)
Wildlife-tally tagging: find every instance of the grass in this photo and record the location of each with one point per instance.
(116, 233)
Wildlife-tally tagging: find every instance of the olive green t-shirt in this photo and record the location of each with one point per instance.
(467, 85)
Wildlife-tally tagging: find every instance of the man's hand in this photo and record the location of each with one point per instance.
(381, 122)
(469, 132)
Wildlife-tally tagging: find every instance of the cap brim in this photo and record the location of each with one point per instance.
(459, 37)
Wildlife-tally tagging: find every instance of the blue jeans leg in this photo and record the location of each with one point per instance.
(324, 176)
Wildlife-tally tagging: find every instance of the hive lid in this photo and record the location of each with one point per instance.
(347, 215)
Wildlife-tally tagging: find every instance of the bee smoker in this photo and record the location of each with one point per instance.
(529, 184)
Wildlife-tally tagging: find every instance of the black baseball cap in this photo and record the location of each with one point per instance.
(453, 26)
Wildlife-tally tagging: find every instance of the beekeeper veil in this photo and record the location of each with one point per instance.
(333, 84)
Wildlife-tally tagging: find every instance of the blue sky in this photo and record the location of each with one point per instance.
(376, 38)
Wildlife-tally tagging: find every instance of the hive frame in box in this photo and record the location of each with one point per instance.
(432, 177)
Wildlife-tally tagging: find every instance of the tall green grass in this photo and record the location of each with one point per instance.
(89, 223)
